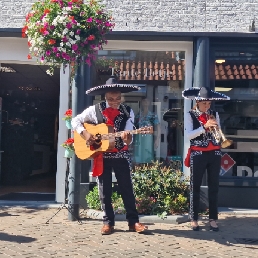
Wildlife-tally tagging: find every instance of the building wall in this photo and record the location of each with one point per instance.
(159, 15)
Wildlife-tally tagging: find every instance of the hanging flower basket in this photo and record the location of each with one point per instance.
(68, 153)
(69, 147)
(68, 124)
(68, 118)
(64, 31)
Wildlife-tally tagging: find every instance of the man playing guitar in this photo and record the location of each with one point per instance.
(113, 113)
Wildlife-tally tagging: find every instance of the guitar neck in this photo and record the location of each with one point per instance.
(118, 134)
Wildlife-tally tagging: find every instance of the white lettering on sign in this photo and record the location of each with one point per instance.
(242, 169)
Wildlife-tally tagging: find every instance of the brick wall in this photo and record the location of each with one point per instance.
(159, 15)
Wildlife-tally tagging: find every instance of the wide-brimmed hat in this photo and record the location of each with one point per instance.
(203, 93)
(112, 85)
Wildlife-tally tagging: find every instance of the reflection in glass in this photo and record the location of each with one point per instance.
(160, 74)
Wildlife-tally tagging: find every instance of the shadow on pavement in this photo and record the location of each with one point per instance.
(17, 238)
(7, 214)
(231, 229)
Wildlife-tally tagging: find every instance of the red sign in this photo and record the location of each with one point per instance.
(227, 162)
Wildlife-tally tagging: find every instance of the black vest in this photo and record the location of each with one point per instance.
(203, 139)
(119, 123)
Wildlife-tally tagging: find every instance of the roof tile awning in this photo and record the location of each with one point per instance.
(132, 70)
(236, 72)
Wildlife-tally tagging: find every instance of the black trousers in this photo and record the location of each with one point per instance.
(200, 161)
(123, 176)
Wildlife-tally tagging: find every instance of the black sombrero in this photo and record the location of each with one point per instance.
(112, 85)
(203, 93)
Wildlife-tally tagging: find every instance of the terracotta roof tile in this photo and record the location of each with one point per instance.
(137, 70)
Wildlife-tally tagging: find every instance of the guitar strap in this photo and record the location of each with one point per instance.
(99, 115)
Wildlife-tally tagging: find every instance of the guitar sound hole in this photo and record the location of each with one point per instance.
(98, 138)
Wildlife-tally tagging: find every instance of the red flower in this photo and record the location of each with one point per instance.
(91, 37)
(110, 114)
(46, 11)
(68, 144)
(29, 57)
(69, 141)
(51, 41)
(68, 112)
(24, 29)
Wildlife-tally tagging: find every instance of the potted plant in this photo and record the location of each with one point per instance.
(69, 147)
(68, 118)
(65, 31)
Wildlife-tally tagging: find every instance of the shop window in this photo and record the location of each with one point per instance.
(159, 103)
(237, 77)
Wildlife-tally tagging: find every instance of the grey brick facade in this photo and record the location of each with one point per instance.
(159, 15)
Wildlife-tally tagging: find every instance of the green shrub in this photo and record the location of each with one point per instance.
(159, 190)
(145, 205)
(167, 187)
(93, 201)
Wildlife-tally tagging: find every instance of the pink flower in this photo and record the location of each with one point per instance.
(89, 19)
(69, 25)
(64, 39)
(54, 49)
(108, 24)
(48, 53)
(45, 33)
(74, 47)
(57, 54)
(87, 61)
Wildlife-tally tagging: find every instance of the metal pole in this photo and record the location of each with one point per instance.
(202, 71)
(202, 65)
(75, 164)
(86, 164)
(0, 136)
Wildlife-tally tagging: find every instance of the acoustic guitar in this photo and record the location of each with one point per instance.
(103, 134)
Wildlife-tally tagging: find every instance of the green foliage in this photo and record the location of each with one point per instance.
(93, 201)
(159, 190)
(117, 203)
(166, 186)
(145, 205)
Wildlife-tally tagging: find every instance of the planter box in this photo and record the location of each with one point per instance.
(171, 219)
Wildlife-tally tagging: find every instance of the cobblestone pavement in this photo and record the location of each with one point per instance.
(24, 233)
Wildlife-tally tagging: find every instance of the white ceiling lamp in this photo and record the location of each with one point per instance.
(220, 61)
(222, 89)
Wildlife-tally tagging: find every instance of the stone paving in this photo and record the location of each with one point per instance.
(25, 233)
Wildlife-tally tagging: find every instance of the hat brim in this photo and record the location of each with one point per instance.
(102, 89)
(193, 94)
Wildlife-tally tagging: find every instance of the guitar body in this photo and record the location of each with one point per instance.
(83, 151)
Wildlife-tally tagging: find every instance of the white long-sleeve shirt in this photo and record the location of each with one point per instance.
(193, 133)
(89, 116)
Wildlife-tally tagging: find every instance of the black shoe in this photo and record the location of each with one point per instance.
(213, 228)
(196, 228)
